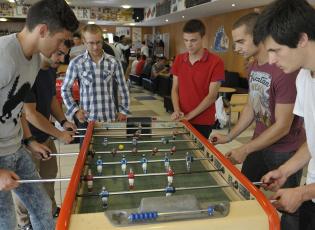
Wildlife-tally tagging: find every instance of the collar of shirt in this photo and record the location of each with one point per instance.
(204, 57)
(87, 56)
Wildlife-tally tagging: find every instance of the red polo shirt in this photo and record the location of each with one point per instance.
(194, 81)
(139, 67)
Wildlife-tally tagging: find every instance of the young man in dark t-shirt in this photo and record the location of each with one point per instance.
(197, 76)
(278, 133)
(39, 104)
(157, 69)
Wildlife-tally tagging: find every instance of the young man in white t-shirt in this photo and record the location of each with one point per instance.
(287, 28)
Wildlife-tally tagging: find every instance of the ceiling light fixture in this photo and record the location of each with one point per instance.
(166, 20)
(126, 6)
(3, 19)
(233, 4)
(12, 1)
(91, 22)
(183, 16)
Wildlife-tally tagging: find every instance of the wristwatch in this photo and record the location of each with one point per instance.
(28, 140)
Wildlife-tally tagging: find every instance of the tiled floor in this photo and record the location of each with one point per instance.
(143, 103)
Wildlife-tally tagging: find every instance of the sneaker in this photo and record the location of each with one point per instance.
(56, 213)
(25, 227)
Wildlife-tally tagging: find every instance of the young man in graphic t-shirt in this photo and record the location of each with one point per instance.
(287, 28)
(278, 133)
(48, 23)
(39, 104)
(197, 76)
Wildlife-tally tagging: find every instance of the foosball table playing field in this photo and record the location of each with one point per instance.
(147, 174)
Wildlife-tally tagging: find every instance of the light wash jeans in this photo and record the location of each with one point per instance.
(47, 170)
(33, 195)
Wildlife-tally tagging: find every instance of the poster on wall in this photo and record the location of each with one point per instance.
(149, 12)
(136, 37)
(82, 13)
(6, 10)
(221, 41)
(177, 5)
(123, 31)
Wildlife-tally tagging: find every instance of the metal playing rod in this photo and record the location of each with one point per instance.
(155, 174)
(43, 180)
(132, 135)
(139, 142)
(146, 151)
(258, 183)
(112, 176)
(63, 154)
(154, 161)
(137, 175)
(132, 128)
(158, 190)
(176, 213)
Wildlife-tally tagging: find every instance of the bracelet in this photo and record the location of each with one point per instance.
(63, 122)
(28, 140)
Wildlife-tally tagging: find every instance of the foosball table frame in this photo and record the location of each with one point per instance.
(230, 173)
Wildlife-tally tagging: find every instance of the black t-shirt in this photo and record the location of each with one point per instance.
(108, 49)
(42, 92)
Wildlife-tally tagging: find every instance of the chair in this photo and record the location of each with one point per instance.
(236, 105)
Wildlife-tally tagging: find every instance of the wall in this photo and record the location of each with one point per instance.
(232, 61)
(17, 26)
(11, 26)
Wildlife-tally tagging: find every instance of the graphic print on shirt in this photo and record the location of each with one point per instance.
(13, 100)
(259, 96)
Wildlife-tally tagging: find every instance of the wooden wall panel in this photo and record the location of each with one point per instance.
(232, 61)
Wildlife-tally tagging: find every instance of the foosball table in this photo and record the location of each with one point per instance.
(145, 174)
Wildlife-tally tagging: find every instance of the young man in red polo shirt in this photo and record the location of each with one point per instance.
(197, 76)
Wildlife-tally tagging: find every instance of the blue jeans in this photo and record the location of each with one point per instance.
(259, 163)
(33, 195)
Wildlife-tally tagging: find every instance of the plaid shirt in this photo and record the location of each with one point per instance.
(96, 87)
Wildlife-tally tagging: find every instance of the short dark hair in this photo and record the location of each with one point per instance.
(248, 20)
(76, 35)
(195, 26)
(285, 21)
(143, 57)
(116, 38)
(67, 43)
(56, 14)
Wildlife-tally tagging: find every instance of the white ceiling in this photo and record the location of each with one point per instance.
(212, 8)
(103, 3)
(208, 9)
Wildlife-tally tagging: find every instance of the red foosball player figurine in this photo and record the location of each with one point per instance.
(170, 175)
(131, 179)
(154, 151)
(173, 150)
(89, 180)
